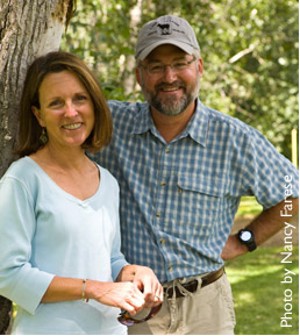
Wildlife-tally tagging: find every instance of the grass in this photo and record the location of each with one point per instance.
(259, 294)
(248, 206)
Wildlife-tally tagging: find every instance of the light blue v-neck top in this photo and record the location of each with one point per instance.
(45, 231)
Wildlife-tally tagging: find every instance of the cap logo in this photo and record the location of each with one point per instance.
(164, 29)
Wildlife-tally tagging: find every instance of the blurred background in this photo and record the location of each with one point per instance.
(249, 48)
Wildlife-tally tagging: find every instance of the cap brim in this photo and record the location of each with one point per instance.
(185, 47)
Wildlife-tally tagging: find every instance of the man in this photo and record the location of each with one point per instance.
(182, 169)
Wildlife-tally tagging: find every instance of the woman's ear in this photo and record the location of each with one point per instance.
(38, 115)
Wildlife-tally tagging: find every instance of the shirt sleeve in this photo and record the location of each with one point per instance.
(266, 172)
(19, 280)
(117, 258)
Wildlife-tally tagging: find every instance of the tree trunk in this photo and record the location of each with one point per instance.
(128, 78)
(28, 28)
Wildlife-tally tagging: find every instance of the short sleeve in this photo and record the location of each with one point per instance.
(266, 171)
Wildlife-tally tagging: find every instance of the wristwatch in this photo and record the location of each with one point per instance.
(247, 238)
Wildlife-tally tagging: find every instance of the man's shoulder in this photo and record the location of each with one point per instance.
(119, 108)
(220, 119)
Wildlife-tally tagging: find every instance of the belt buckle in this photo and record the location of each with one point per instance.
(191, 286)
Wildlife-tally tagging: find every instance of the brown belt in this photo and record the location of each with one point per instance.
(192, 285)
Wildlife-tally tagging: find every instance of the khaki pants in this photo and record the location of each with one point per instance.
(208, 311)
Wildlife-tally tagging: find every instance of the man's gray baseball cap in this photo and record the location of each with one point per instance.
(167, 29)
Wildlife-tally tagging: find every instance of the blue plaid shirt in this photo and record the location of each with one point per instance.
(179, 199)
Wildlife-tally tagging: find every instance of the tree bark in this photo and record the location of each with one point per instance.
(28, 28)
(128, 78)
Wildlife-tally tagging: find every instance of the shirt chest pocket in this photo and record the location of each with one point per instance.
(201, 201)
(197, 183)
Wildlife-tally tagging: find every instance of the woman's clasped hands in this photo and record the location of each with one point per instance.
(136, 288)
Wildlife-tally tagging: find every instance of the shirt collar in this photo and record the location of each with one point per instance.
(143, 121)
(197, 127)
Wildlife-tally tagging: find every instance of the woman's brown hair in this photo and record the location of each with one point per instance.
(30, 131)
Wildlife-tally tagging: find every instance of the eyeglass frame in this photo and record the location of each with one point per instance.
(126, 319)
(173, 65)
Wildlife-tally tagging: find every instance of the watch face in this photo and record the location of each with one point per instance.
(246, 236)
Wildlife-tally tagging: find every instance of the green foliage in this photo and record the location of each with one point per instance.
(260, 296)
(249, 207)
(250, 52)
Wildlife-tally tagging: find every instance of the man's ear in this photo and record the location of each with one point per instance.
(138, 75)
(200, 66)
(38, 115)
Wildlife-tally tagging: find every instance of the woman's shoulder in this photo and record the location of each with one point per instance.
(20, 167)
(22, 177)
(24, 170)
(107, 176)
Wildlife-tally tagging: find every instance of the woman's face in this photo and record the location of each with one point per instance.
(66, 110)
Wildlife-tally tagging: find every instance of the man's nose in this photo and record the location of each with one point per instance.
(169, 73)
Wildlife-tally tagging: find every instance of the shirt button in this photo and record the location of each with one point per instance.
(170, 268)
(163, 183)
(158, 214)
(162, 241)
(167, 150)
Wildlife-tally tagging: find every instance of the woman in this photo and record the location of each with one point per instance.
(59, 224)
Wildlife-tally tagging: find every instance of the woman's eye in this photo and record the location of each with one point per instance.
(80, 98)
(56, 103)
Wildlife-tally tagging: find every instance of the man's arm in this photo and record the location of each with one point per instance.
(264, 226)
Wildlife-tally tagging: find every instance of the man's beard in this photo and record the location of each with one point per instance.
(170, 106)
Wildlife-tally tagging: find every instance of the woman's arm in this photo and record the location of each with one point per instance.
(124, 295)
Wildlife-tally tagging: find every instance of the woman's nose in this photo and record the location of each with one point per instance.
(70, 109)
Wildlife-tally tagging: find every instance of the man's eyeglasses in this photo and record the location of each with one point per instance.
(160, 68)
(128, 320)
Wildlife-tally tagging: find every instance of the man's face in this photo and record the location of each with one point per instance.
(170, 79)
